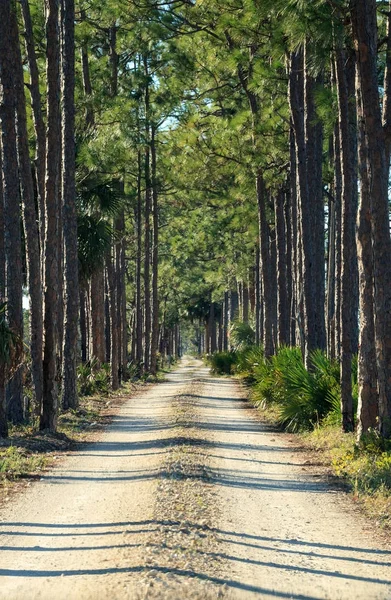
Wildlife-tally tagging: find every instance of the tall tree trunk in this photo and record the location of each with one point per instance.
(338, 242)
(112, 296)
(289, 261)
(147, 226)
(221, 330)
(87, 87)
(155, 257)
(39, 124)
(51, 284)
(258, 336)
(69, 391)
(296, 302)
(225, 321)
(2, 231)
(240, 297)
(331, 250)
(121, 294)
(139, 250)
(118, 295)
(212, 328)
(83, 322)
(364, 28)
(387, 90)
(349, 208)
(245, 296)
(314, 146)
(13, 246)
(368, 406)
(114, 59)
(266, 268)
(124, 322)
(296, 99)
(98, 314)
(3, 406)
(107, 319)
(282, 287)
(30, 222)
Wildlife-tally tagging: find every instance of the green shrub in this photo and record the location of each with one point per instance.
(366, 472)
(93, 378)
(221, 363)
(247, 360)
(16, 462)
(241, 334)
(303, 397)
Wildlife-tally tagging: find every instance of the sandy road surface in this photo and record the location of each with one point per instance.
(187, 495)
(283, 532)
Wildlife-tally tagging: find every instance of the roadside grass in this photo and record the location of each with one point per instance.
(364, 468)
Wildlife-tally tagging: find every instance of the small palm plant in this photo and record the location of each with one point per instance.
(11, 353)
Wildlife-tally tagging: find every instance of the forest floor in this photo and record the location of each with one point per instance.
(187, 494)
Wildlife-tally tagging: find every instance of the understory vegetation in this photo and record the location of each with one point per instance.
(307, 402)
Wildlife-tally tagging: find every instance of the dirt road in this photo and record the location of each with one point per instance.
(187, 495)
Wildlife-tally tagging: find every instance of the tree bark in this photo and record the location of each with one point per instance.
(87, 87)
(314, 157)
(349, 177)
(212, 328)
(282, 287)
(51, 284)
(39, 124)
(69, 391)
(386, 116)
(338, 243)
(98, 314)
(83, 322)
(295, 266)
(245, 296)
(225, 321)
(13, 246)
(368, 406)
(258, 336)
(121, 294)
(155, 257)
(30, 223)
(266, 268)
(139, 311)
(289, 264)
(3, 405)
(296, 100)
(114, 59)
(364, 26)
(331, 249)
(112, 296)
(147, 224)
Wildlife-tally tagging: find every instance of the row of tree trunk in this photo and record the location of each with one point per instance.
(45, 199)
(348, 308)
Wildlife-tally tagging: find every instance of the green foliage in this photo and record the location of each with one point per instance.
(93, 378)
(248, 360)
(221, 363)
(16, 462)
(303, 399)
(366, 467)
(242, 335)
